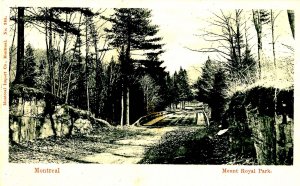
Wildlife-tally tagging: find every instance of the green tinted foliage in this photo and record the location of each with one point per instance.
(30, 71)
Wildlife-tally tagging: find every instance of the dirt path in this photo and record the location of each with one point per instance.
(106, 146)
(130, 150)
(178, 138)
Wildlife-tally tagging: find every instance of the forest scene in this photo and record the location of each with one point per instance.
(132, 85)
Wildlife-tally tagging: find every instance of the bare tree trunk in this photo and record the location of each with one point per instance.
(49, 48)
(258, 28)
(51, 62)
(68, 86)
(70, 73)
(122, 107)
(86, 64)
(62, 59)
(127, 106)
(20, 50)
(273, 40)
(53, 59)
(11, 49)
(147, 103)
(126, 84)
(237, 17)
(275, 91)
(97, 77)
(259, 47)
(59, 83)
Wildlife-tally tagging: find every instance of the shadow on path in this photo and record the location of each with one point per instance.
(188, 146)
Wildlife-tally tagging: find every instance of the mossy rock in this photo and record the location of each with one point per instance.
(28, 93)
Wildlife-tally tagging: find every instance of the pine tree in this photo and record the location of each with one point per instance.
(218, 96)
(248, 69)
(152, 66)
(131, 30)
(30, 72)
(78, 85)
(204, 84)
(101, 90)
(168, 91)
(184, 89)
(211, 89)
(111, 90)
(41, 76)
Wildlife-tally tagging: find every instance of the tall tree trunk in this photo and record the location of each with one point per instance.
(49, 48)
(20, 50)
(126, 83)
(146, 100)
(70, 73)
(232, 45)
(11, 49)
(62, 60)
(60, 68)
(51, 62)
(97, 80)
(273, 39)
(122, 107)
(259, 47)
(127, 122)
(125, 103)
(68, 86)
(258, 28)
(86, 63)
(273, 129)
(238, 34)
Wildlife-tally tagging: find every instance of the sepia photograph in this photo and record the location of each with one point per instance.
(131, 93)
(102, 85)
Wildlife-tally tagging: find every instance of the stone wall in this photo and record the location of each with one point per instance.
(261, 123)
(34, 114)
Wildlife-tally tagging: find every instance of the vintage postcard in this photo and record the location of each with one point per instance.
(149, 92)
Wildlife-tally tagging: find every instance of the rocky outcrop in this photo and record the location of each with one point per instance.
(260, 122)
(35, 114)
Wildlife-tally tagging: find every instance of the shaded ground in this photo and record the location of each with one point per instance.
(174, 139)
(68, 150)
(190, 144)
(186, 146)
(131, 149)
